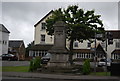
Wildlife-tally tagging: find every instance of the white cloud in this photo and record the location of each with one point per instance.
(20, 18)
(119, 15)
(0, 12)
(19, 30)
(60, 0)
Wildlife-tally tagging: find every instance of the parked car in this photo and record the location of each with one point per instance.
(102, 62)
(45, 59)
(0, 57)
(9, 57)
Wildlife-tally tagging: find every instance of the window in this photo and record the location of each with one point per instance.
(89, 44)
(80, 55)
(43, 26)
(103, 44)
(76, 44)
(117, 44)
(5, 42)
(43, 38)
(51, 38)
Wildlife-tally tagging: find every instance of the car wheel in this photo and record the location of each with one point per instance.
(9, 59)
(16, 59)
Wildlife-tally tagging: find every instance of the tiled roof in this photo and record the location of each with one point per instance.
(15, 43)
(3, 28)
(116, 51)
(43, 18)
(41, 47)
(115, 33)
(82, 50)
(99, 50)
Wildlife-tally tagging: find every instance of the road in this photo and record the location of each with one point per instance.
(40, 79)
(29, 79)
(15, 63)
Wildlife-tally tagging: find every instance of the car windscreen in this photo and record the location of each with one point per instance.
(10, 55)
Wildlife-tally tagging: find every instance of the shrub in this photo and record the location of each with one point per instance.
(31, 66)
(35, 63)
(86, 67)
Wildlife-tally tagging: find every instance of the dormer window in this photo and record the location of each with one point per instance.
(76, 44)
(89, 44)
(43, 26)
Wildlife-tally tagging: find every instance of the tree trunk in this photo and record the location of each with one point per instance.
(71, 52)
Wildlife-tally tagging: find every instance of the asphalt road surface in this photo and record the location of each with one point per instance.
(29, 79)
(53, 80)
(15, 63)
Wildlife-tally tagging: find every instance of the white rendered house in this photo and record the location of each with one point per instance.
(4, 38)
(40, 35)
(44, 42)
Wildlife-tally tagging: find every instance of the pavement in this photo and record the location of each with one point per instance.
(15, 63)
(60, 76)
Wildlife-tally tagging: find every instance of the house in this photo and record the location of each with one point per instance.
(42, 41)
(114, 49)
(39, 50)
(17, 48)
(81, 50)
(41, 36)
(4, 37)
(89, 53)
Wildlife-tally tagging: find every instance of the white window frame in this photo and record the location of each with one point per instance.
(43, 27)
(42, 39)
(117, 45)
(75, 44)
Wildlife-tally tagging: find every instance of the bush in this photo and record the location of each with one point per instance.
(35, 63)
(86, 67)
(31, 66)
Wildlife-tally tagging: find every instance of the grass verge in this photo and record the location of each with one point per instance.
(101, 73)
(15, 68)
(26, 68)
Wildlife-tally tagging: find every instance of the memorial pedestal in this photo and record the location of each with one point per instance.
(59, 52)
(59, 60)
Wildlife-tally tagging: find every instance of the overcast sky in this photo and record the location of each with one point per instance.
(20, 17)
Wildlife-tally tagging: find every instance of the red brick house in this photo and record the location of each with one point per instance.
(17, 48)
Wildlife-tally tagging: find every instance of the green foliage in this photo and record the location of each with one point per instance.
(100, 74)
(86, 67)
(15, 68)
(35, 63)
(31, 66)
(28, 47)
(80, 24)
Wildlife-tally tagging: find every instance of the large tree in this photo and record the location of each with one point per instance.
(28, 47)
(81, 24)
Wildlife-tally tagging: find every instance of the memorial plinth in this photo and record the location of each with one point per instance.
(59, 52)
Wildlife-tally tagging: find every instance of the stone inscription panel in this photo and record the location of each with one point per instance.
(59, 32)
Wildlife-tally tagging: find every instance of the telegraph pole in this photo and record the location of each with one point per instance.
(95, 55)
(99, 37)
(109, 40)
(106, 35)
